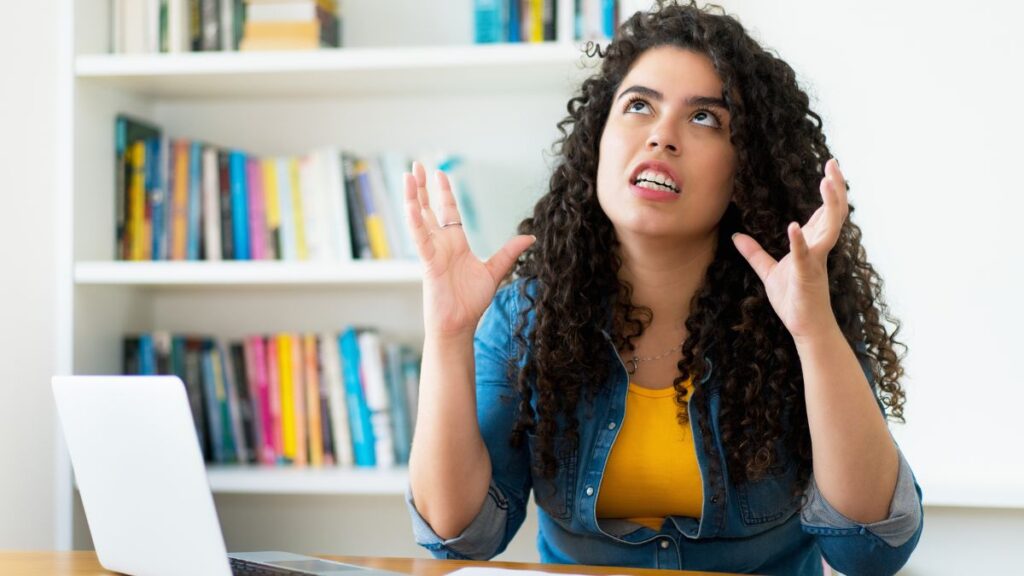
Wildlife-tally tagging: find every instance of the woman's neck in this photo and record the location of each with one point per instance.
(665, 276)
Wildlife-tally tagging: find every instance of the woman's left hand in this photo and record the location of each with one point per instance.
(797, 285)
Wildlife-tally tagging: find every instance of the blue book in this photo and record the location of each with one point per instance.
(239, 205)
(489, 19)
(608, 7)
(147, 355)
(289, 249)
(155, 191)
(400, 421)
(213, 419)
(363, 439)
(195, 202)
(514, 24)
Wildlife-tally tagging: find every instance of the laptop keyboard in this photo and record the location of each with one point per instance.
(246, 568)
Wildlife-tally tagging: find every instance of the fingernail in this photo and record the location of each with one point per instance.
(734, 235)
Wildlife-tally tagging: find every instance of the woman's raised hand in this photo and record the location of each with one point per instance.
(457, 286)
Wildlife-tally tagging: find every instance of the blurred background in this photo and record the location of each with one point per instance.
(920, 102)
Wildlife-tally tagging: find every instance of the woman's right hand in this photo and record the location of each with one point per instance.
(457, 286)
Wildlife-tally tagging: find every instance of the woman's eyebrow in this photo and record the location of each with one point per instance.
(691, 101)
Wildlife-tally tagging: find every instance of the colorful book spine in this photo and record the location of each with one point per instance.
(194, 200)
(212, 401)
(227, 233)
(233, 403)
(377, 401)
(256, 361)
(284, 362)
(289, 251)
(536, 25)
(156, 196)
(312, 380)
(341, 434)
(375, 228)
(274, 397)
(358, 412)
(272, 208)
(179, 218)
(299, 402)
(137, 199)
(239, 205)
(257, 210)
(489, 21)
(211, 205)
(301, 249)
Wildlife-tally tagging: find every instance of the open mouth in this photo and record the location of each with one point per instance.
(656, 181)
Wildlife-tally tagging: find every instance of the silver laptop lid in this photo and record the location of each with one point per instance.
(140, 474)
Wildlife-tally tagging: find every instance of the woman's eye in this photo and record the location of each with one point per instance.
(706, 119)
(637, 106)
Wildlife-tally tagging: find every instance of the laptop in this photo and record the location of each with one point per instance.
(143, 484)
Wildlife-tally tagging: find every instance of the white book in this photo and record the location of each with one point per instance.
(371, 358)
(337, 205)
(134, 22)
(227, 25)
(393, 166)
(289, 250)
(178, 26)
(211, 204)
(337, 408)
(382, 201)
(310, 182)
(153, 26)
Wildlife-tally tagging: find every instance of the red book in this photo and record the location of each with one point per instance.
(274, 397)
(257, 210)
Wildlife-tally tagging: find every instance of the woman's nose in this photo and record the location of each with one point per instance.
(662, 138)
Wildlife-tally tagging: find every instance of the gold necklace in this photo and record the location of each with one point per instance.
(634, 363)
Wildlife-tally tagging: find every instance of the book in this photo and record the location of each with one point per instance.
(195, 210)
(180, 200)
(372, 215)
(234, 404)
(256, 367)
(341, 435)
(213, 393)
(137, 200)
(272, 208)
(288, 233)
(274, 397)
(400, 422)
(154, 197)
(363, 441)
(298, 212)
(127, 131)
(227, 234)
(337, 206)
(489, 21)
(377, 400)
(299, 402)
(311, 377)
(239, 204)
(287, 392)
(211, 205)
(244, 386)
(357, 223)
(257, 210)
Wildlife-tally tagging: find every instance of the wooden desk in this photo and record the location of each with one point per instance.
(86, 564)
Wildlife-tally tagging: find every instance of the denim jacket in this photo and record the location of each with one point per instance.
(756, 527)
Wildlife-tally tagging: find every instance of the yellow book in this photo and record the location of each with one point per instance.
(179, 209)
(137, 191)
(536, 21)
(300, 228)
(376, 231)
(299, 404)
(273, 207)
(316, 441)
(284, 363)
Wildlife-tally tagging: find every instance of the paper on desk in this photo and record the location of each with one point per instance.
(504, 572)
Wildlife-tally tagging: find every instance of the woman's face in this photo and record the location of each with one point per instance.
(666, 164)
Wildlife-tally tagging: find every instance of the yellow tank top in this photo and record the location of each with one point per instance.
(652, 469)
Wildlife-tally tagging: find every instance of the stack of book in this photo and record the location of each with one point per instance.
(290, 398)
(152, 26)
(537, 20)
(181, 199)
(291, 25)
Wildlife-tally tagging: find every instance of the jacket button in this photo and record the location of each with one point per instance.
(611, 425)
(590, 490)
(664, 544)
(714, 499)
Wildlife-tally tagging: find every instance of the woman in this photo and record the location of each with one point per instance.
(687, 361)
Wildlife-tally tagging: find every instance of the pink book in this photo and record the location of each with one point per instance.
(257, 209)
(274, 396)
(255, 349)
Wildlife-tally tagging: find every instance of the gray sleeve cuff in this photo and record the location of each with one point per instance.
(904, 510)
(479, 541)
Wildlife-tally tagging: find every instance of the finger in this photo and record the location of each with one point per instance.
(838, 182)
(825, 234)
(449, 209)
(414, 215)
(797, 244)
(501, 262)
(761, 261)
(423, 196)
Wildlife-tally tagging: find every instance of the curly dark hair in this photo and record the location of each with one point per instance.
(571, 274)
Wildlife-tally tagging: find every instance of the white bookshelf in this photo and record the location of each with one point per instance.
(415, 86)
(307, 481)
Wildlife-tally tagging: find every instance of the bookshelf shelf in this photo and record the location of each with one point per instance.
(345, 71)
(226, 479)
(159, 274)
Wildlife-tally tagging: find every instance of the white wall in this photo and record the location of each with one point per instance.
(28, 137)
(926, 121)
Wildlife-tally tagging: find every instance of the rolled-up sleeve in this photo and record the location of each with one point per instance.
(881, 547)
(504, 508)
